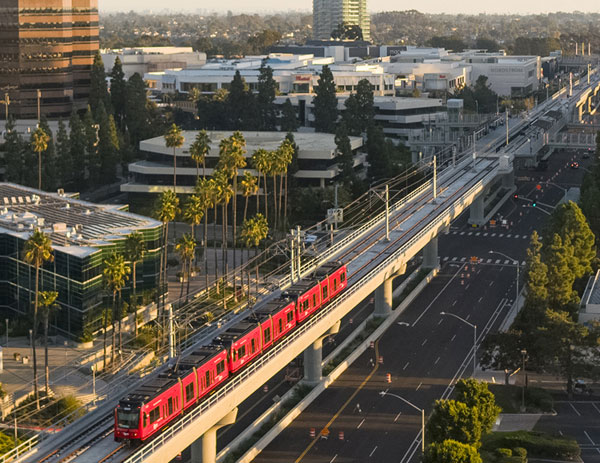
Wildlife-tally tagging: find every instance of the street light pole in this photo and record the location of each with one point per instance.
(422, 410)
(524, 354)
(474, 337)
(517, 265)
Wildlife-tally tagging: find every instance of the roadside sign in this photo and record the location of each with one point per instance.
(335, 215)
(492, 223)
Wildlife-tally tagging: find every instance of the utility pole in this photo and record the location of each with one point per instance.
(434, 178)
(387, 212)
(506, 126)
(292, 254)
(171, 332)
(298, 254)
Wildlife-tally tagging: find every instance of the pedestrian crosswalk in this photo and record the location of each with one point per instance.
(515, 236)
(463, 259)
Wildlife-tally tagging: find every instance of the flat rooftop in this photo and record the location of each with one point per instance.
(74, 226)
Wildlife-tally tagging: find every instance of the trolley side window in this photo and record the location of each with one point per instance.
(154, 414)
(280, 325)
(170, 406)
(325, 292)
(189, 392)
(207, 378)
(290, 316)
(342, 277)
(220, 367)
(267, 335)
(252, 346)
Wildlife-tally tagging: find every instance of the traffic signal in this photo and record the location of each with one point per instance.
(516, 196)
(533, 204)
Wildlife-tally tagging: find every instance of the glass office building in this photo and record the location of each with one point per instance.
(83, 235)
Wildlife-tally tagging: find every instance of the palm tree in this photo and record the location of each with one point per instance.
(115, 274)
(198, 151)
(261, 164)
(204, 191)
(284, 158)
(135, 248)
(39, 143)
(38, 249)
(47, 302)
(224, 193)
(272, 169)
(254, 230)
(231, 158)
(249, 186)
(174, 139)
(165, 210)
(193, 211)
(186, 248)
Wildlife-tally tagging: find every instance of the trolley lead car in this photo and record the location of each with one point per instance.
(157, 402)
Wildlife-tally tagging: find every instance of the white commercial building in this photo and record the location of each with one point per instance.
(317, 161)
(152, 59)
(292, 73)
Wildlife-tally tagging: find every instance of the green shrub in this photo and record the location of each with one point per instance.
(504, 452)
(521, 454)
(537, 444)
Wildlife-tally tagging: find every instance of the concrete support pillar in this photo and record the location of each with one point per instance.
(477, 216)
(384, 299)
(508, 180)
(313, 357)
(430, 254)
(204, 450)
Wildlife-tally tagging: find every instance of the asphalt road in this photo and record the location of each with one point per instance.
(424, 357)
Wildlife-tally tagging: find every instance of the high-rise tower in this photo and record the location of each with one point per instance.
(328, 14)
(47, 45)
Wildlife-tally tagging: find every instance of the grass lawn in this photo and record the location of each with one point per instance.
(508, 397)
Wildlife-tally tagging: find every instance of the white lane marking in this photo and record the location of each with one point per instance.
(453, 337)
(589, 438)
(333, 459)
(445, 258)
(467, 317)
(462, 233)
(397, 416)
(420, 384)
(424, 342)
(440, 322)
(436, 361)
(454, 303)
(467, 287)
(509, 235)
(489, 261)
(574, 409)
(596, 407)
(485, 234)
(500, 235)
(469, 234)
(480, 299)
(506, 262)
(492, 235)
(492, 283)
(497, 261)
(454, 259)
(371, 454)
(436, 297)
(360, 424)
(406, 366)
(462, 259)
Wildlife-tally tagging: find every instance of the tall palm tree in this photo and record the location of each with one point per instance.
(186, 248)
(174, 139)
(224, 193)
(273, 170)
(231, 159)
(48, 303)
(115, 275)
(249, 186)
(199, 150)
(39, 144)
(261, 164)
(135, 248)
(204, 191)
(165, 210)
(284, 158)
(193, 211)
(38, 249)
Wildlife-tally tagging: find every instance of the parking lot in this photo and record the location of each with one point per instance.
(579, 419)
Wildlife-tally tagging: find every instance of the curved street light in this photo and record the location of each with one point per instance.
(474, 337)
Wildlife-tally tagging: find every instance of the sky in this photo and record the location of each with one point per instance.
(425, 6)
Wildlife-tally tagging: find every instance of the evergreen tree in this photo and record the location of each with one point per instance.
(78, 142)
(325, 102)
(476, 394)
(136, 109)
(288, 121)
(108, 148)
(14, 147)
(241, 105)
(344, 153)
(98, 87)
(64, 160)
(378, 156)
(91, 134)
(560, 277)
(570, 224)
(118, 91)
(455, 420)
(267, 89)
(360, 109)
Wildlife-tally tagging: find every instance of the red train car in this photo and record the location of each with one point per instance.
(210, 366)
(333, 277)
(243, 343)
(277, 319)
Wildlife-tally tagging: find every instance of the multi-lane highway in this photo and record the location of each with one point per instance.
(424, 357)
